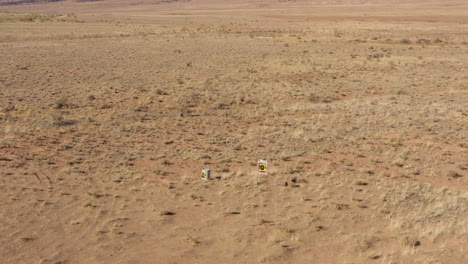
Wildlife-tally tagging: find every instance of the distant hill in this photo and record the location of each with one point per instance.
(109, 5)
(25, 2)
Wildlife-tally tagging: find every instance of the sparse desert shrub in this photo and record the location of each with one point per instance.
(37, 17)
(410, 242)
(401, 92)
(57, 120)
(141, 109)
(160, 92)
(375, 56)
(62, 103)
(141, 89)
(106, 106)
(30, 17)
(9, 108)
(399, 162)
(453, 174)
(423, 41)
(405, 41)
(337, 33)
(360, 40)
(166, 212)
(314, 98)
(318, 99)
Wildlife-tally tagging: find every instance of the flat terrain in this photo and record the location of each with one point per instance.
(109, 110)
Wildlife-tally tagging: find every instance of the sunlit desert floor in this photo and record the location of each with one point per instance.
(108, 117)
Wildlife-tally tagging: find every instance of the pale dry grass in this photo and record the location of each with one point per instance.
(106, 124)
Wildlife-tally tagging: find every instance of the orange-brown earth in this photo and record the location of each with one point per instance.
(109, 110)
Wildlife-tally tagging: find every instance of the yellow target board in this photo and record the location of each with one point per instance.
(205, 174)
(262, 166)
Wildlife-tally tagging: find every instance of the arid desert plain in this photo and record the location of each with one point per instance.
(109, 110)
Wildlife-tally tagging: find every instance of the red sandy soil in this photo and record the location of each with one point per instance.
(109, 111)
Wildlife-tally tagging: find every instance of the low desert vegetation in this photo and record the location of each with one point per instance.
(106, 125)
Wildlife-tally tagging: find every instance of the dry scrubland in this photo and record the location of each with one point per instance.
(106, 120)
